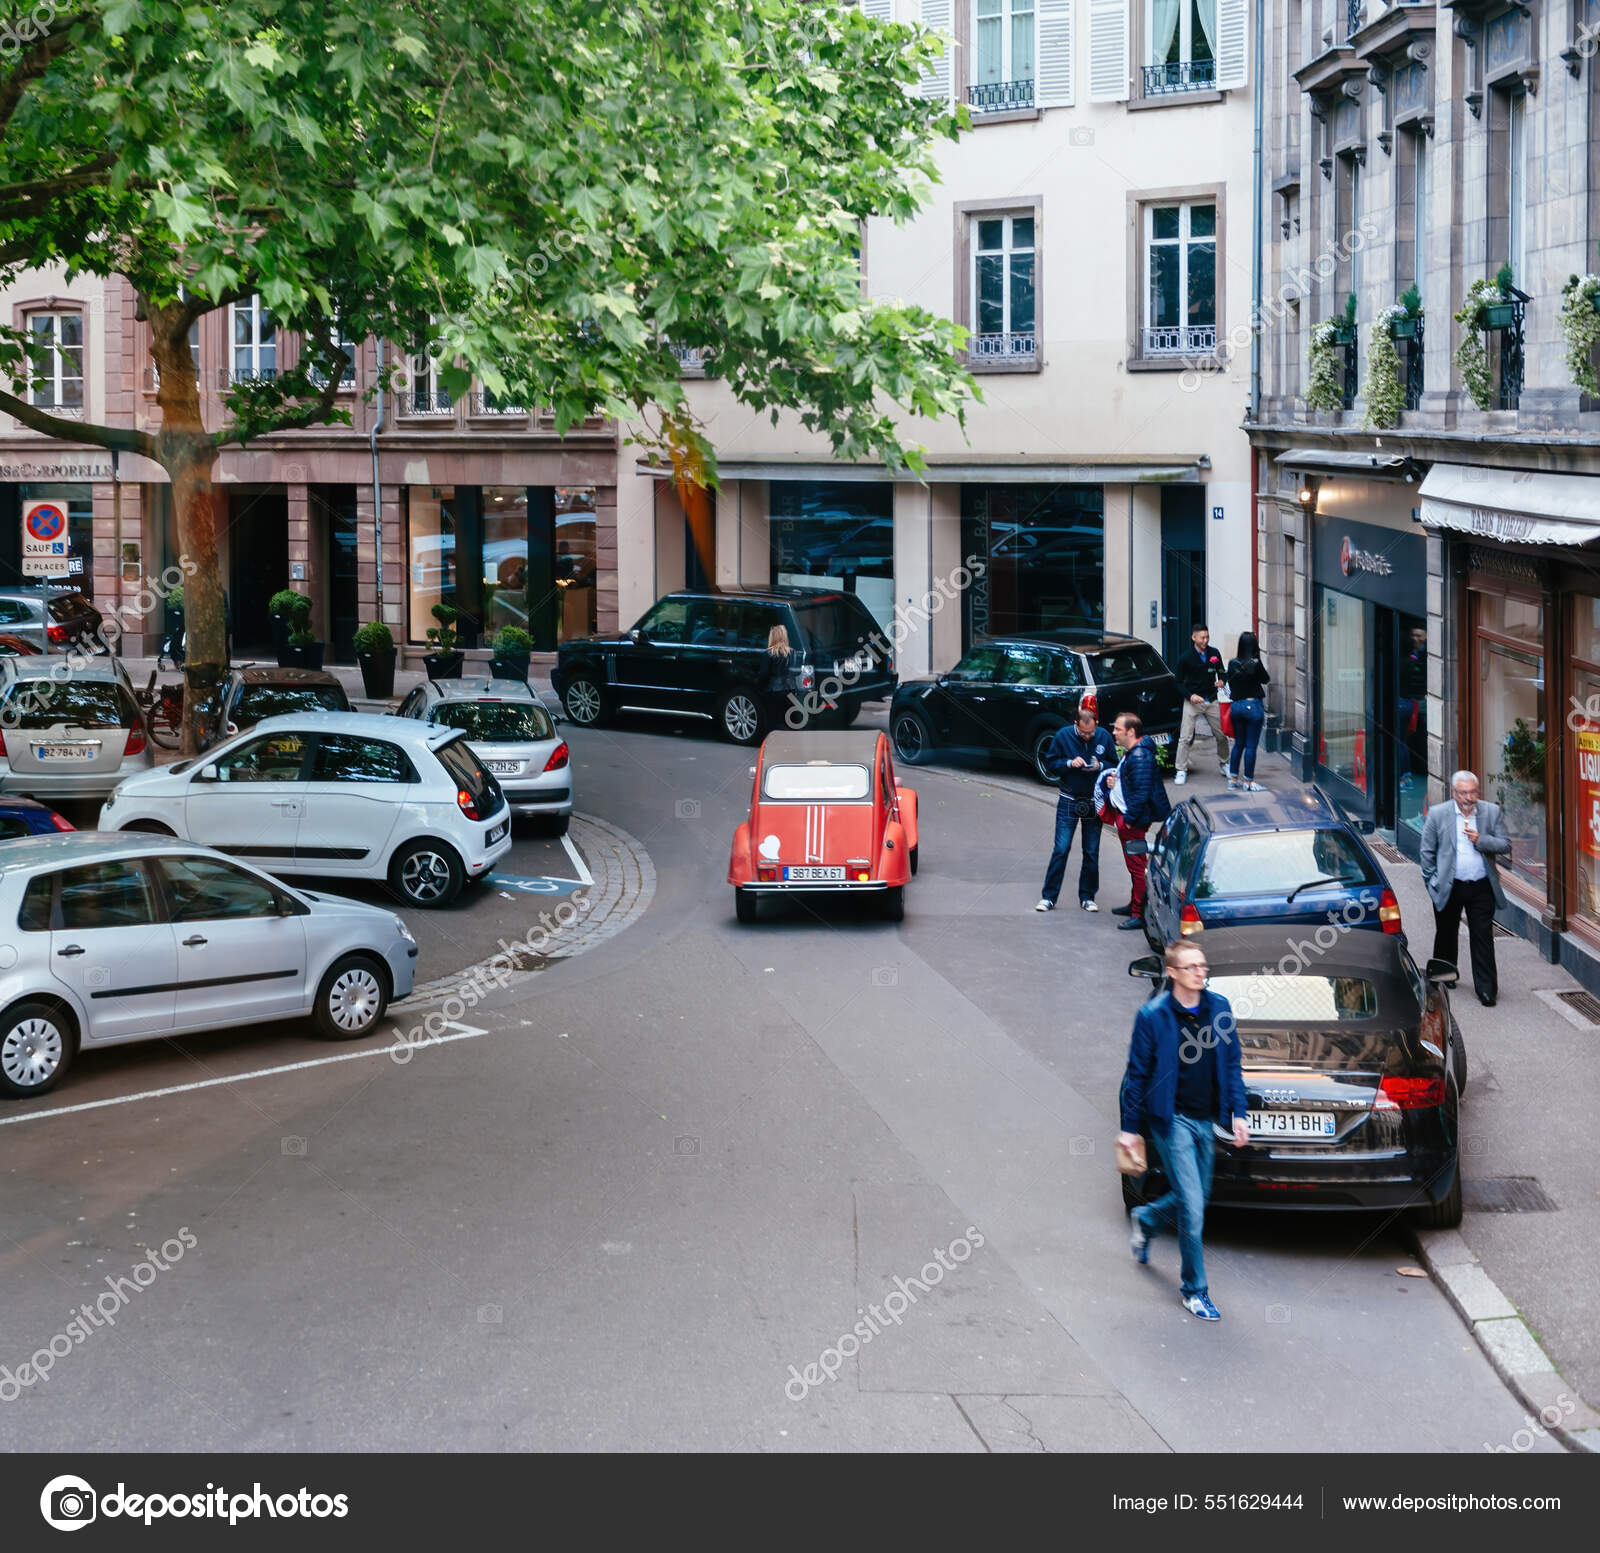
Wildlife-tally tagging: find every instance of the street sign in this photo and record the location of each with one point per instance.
(46, 540)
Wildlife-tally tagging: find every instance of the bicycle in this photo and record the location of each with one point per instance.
(162, 710)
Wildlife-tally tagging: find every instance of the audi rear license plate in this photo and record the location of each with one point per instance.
(66, 752)
(505, 767)
(498, 831)
(811, 875)
(1291, 1124)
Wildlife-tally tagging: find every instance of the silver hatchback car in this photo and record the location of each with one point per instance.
(74, 733)
(511, 733)
(106, 939)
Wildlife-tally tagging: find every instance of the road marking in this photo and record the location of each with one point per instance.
(584, 876)
(537, 884)
(464, 1033)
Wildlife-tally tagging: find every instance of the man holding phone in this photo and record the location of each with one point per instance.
(1076, 757)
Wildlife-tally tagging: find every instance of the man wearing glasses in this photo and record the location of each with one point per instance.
(1184, 1073)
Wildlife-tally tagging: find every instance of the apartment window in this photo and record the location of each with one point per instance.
(1181, 271)
(1517, 187)
(341, 341)
(422, 395)
(255, 341)
(1182, 37)
(1346, 197)
(57, 362)
(1003, 271)
(1003, 31)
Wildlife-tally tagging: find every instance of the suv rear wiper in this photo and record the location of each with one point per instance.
(1311, 884)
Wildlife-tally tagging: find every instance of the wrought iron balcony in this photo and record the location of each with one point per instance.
(485, 403)
(65, 412)
(1351, 375)
(1181, 340)
(1003, 347)
(1355, 17)
(236, 376)
(1414, 371)
(1182, 75)
(693, 360)
(998, 96)
(426, 401)
(1506, 320)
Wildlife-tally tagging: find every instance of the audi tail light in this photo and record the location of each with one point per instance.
(559, 757)
(1409, 1094)
(1389, 912)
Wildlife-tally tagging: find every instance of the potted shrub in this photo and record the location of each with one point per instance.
(1344, 329)
(1580, 329)
(1503, 313)
(445, 661)
(281, 607)
(512, 649)
(303, 650)
(375, 652)
(1472, 354)
(1404, 321)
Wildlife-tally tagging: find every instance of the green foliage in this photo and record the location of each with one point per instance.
(444, 637)
(1580, 328)
(374, 637)
(286, 602)
(1382, 391)
(1524, 752)
(1350, 311)
(1472, 355)
(1503, 278)
(1411, 301)
(175, 597)
(1325, 388)
(512, 639)
(300, 632)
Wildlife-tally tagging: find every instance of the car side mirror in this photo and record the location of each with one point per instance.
(207, 773)
(636, 635)
(1148, 966)
(1442, 973)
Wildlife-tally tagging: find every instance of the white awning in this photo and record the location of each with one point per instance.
(1378, 463)
(1516, 506)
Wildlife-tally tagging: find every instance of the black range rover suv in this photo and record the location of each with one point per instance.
(704, 653)
(1008, 696)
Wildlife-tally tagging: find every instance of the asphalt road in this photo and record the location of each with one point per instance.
(613, 1205)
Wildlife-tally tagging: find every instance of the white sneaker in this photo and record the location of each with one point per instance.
(1222, 770)
(1253, 787)
(1045, 905)
(1088, 905)
(1181, 778)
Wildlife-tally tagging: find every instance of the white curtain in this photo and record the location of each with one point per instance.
(1163, 28)
(1205, 13)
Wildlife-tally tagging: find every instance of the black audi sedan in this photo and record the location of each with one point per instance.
(1010, 695)
(1354, 1069)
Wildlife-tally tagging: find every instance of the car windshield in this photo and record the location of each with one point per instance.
(814, 784)
(43, 703)
(1125, 663)
(258, 701)
(1275, 862)
(496, 722)
(1272, 999)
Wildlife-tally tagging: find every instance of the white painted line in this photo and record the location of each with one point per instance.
(584, 876)
(465, 1033)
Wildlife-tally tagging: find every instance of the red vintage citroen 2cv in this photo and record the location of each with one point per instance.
(825, 815)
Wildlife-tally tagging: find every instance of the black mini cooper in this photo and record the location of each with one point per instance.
(1353, 1068)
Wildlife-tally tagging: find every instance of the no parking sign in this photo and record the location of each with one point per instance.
(46, 541)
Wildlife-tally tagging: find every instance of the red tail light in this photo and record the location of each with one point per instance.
(1189, 921)
(766, 870)
(1089, 703)
(1409, 1094)
(2, 744)
(1389, 912)
(465, 803)
(61, 824)
(57, 634)
(135, 745)
(808, 676)
(558, 758)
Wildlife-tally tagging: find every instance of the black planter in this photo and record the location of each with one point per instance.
(510, 665)
(377, 673)
(280, 636)
(444, 665)
(301, 657)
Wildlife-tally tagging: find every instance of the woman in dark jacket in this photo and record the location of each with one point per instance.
(779, 681)
(1247, 684)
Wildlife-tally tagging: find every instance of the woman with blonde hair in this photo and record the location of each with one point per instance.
(779, 679)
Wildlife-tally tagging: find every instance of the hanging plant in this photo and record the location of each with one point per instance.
(1384, 395)
(1325, 391)
(1580, 328)
(1472, 354)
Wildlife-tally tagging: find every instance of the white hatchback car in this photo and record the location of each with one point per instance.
(343, 795)
(110, 939)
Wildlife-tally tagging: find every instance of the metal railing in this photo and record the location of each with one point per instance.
(485, 403)
(1003, 347)
(1180, 75)
(997, 96)
(426, 401)
(1512, 351)
(1414, 369)
(1181, 340)
(1351, 376)
(1355, 17)
(230, 377)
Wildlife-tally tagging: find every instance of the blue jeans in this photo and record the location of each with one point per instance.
(1089, 872)
(1188, 1153)
(1249, 718)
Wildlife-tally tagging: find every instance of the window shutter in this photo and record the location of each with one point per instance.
(939, 16)
(1233, 42)
(1108, 50)
(878, 10)
(1055, 53)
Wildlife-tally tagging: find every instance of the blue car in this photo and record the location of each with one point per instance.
(1264, 859)
(26, 817)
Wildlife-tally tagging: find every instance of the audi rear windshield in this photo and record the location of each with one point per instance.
(43, 703)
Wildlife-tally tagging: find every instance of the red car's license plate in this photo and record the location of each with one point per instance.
(811, 875)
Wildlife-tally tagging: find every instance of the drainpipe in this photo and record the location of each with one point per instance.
(377, 488)
(1257, 237)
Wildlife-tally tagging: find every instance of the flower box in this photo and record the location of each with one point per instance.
(1403, 329)
(1344, 334)
(1499, 315)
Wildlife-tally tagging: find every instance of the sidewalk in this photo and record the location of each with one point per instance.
(1531, 1232)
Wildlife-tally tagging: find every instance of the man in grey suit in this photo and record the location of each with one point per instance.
(1462, 842)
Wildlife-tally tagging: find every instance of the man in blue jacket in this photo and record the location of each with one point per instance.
(1184, 1073)
(1076, 757)
(1142, 802)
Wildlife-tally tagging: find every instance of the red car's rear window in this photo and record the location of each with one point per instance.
(816, 784)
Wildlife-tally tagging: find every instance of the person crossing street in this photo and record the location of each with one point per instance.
(1199, 672)
(1076, 757)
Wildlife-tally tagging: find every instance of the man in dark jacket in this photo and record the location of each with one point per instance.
(1198, 672)
(1076, 757)
(1141, 801)
(1184, 1074)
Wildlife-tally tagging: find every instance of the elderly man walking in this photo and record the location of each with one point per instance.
(1462, 843)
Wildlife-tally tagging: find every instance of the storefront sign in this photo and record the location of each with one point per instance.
(1353, 560)
(28, 470)
(1366, 561)
(46, 540)
(1588, 816)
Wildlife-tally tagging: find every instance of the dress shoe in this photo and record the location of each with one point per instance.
(1132, 922)
(1122, 911)
(1488, 1002)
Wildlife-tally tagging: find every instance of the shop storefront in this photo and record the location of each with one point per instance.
(1369, 663)
(1043, 548)
(835, 534)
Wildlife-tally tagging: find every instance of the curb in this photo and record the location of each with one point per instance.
(1507, 1343)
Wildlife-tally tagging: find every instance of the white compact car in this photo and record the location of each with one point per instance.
(342, 795)
(111, 939)
(513, 736)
